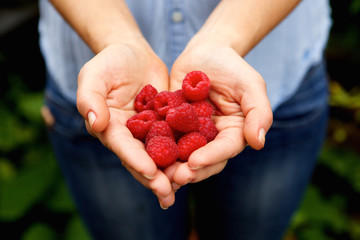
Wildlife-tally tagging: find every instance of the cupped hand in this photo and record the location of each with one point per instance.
(243, 112)
(107, 86)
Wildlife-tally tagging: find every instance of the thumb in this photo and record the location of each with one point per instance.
(91, 101)
(258, 118)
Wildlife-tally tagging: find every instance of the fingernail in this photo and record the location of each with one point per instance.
(262, 136)
(163, 208)
(175, 186)
(148, 177)
(194, 168)
(91, 118)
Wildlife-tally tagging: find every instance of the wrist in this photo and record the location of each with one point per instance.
(100, 23)
(98, 44)
(101, 36)
(213, 37)
(242, 24)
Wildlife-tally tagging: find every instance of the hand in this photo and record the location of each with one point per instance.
(243, 114)
(107, 86)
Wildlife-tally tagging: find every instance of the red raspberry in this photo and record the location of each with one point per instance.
(145, 98)
(207, 128)
(183, 118)
(140, 124)
(181, 95)
(203, 108)
(159, 128)
(196, 86)
(189, 143)
(163, 150)
(166, 100)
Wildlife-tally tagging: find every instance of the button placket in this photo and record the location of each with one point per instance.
(177, 34)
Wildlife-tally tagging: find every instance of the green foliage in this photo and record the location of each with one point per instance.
(59, 200)
(318, 212)
(342, 98)
(354, 7)
(29, 175)
(39, 231)
(7, 170)
(75, 230)
(323, 218)
(13, 132)
(19, 194)
(345, 163)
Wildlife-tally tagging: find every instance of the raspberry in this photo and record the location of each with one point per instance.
(196, 86)
(140, 124)
(163, 150)
(183, 118)
(203, 108)
(207, 128)
(159, 128)
(189, 143)
(145, 98)
(181, 95)
(166, 100)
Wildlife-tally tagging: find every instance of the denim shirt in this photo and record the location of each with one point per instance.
(283, 57)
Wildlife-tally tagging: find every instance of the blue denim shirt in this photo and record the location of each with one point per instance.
(283, 57)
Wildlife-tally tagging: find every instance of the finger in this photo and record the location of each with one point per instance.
(159, 185)
(257, 123)
(227, 144)
(170, 171)
(91, 100)
(88, 128)
(162, 188)
(184, 174)
(129, 150)
(258, 114)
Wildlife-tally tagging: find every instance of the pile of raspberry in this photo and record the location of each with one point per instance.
(172, 125)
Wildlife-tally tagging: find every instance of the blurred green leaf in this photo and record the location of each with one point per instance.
(357, 116)
(39, 231)
(340, 97)
(60, 200)
(76, 230)
(344, 162)
(7, 169)
(16, 87)
(313, 234)
(329, 212)
(29, 105)
(316, 214)
(355, 7)
(37, 155)
(13, 132)
(340, 135)
(355, 229)
(19, 194)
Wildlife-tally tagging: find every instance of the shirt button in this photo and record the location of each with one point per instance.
(177, 16)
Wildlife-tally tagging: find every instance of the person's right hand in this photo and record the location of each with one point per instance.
(107, 86)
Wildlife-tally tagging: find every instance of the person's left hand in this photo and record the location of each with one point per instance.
(243, 112)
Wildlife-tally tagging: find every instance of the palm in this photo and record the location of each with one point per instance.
(233, 82)
(108, 85)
